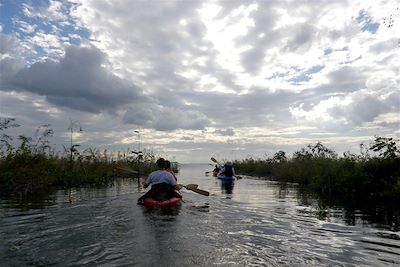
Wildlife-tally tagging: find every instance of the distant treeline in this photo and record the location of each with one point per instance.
(34, 167)
(322, 171)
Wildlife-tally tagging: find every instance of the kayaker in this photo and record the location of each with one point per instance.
(168, 169)
(163, 184)
(216, 169)
(227, 170)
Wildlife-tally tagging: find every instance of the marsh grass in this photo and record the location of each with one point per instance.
(326, 174)
(33, 167)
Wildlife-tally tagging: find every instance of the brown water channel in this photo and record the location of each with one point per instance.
(258, 224)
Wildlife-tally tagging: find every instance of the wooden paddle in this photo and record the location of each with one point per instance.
(216, 161)
(191, 187)
(127, 169)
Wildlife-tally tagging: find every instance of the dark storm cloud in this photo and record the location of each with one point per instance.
(366, 109)
(164, 118)
(302, 39)
(171, 119)
(79, 81)
(10, 60)
(8, 68)
(139, 116)
(259, 107)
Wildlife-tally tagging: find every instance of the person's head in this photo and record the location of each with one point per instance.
(167, 164)
(161, 163)
(228, 163)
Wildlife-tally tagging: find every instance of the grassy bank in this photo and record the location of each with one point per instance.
(33, 167)
(323, 172)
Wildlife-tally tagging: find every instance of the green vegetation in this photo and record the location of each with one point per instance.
(33, 167)
(322, 171)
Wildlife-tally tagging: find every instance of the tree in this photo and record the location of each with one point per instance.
(279, 157)
(386, 147)
(5, 139)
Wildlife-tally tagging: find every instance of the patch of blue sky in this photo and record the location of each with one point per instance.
(299, 79)
(328, 51)
(42, 26)
(371, 27)
(12, 15)
(73, 34)
(314, 69)
(277, 75)
(38, 3)
(366, 22)
(15, 21)
(305, 77)
(62, 29)
(9, 10)
(40, 52)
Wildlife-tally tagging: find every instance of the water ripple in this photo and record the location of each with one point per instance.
(259, 224)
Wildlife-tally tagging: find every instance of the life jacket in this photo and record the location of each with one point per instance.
(228, 171)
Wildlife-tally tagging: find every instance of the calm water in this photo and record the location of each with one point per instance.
(256, 224)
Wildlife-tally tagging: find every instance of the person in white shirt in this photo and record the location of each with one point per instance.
(163, 184)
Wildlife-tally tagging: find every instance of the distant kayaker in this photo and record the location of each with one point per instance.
(163, 184)
(216, 169)
(227, 170)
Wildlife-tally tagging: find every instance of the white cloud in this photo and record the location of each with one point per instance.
(209, 76)
(54, 11)
(226, 132)
(26, 27)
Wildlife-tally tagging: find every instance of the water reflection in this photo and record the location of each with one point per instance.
(249, 223)
(352, 211)
(199, 207)
(38, 201)
(156, 213)
(227, 187)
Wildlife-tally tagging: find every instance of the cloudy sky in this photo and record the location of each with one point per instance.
(196, 79)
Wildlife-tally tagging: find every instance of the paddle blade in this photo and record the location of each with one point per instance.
(213, 159)
(191, 186)
(129, 170)
(126, 169)
(200, 191)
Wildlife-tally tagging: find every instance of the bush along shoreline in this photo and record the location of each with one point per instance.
(324, 173)
(34, 168)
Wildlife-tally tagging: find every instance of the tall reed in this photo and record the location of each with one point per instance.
(34, 166)
(324, 172)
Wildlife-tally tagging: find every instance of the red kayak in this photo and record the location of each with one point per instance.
(172, 202)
